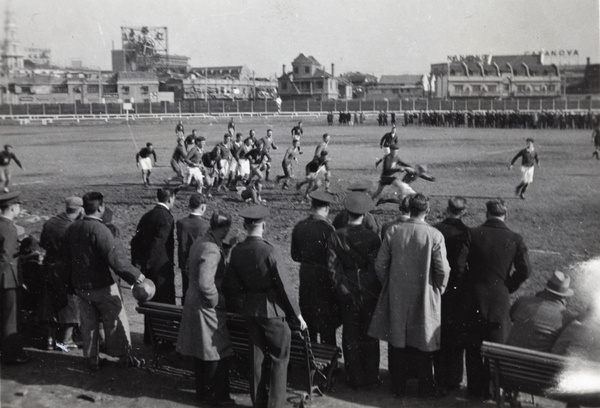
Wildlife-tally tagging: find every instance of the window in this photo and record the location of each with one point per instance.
(125, 90)
(476, 88)
(93, 89)
(319, 84)
(284, 86)
(307, 70)
(521, 88)
(109, 89)
(62, 88)
(552, 88)
(296, 70)
(492, 88)
(458, 89)
(145, 90)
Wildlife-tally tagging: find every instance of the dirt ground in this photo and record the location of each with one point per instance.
(560, 221)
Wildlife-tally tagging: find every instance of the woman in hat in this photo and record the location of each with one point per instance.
(203, 333)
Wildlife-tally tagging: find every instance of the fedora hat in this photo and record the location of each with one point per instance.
(559, 284)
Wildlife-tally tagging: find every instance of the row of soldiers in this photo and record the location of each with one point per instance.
(545, 119)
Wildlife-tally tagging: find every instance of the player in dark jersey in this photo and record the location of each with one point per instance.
(409, 178)
(5, 158)
(314, 169)
(392, 165)
(596, 142)
(386, 141)
(143, 160)
(297, 132)
(529, 158)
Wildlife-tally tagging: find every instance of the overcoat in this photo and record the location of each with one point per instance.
(414, 271)
(203, 332)
(9, 247)
(493, 252)
(153, 248)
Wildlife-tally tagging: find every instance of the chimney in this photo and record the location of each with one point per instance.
(283, 69)
(332, 69)
(588, 60)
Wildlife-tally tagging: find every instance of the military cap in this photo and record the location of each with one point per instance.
(357, 202)
(359, 186)
(254, 214)
(74, 202)
(322, 196)
(10, 198)
(394, 147)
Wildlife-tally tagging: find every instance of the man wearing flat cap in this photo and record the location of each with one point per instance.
(539, 319)
(318, 300)
(11, 280)
(91, 253)
(341, 219)
(256, 272)
(51, 239)
(351, 257)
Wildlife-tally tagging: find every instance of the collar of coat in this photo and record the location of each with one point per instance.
(495, 223)
(164, 207)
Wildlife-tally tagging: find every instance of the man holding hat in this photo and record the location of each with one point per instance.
(318, 300)
(11, 280)
(51, 239)
(538, 320)
(341, 219)
(256, 272)
(351, 257)
(91, 252)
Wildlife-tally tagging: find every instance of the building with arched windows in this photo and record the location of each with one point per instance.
(502, 76)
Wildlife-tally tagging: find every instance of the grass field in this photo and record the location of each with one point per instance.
(560, 219)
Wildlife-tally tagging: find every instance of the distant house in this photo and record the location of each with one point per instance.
(361, 83)
(308, 79)
(400, 86)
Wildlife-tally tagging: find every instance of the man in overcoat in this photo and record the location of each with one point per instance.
(494, 250)
(11, 280)
(188, 229)
(414, 270)
(448, 361)
(256, 272)
(153, 248)
(318, 300)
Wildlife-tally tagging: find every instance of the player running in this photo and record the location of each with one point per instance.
(596, 142)
(386, 141)
(408, 179)
(392, 165)
(529, 158)
(143, 160)
(314, 169)
(5, 158)
(290, 156)
(297, 131)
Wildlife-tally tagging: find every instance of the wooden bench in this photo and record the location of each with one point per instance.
(320, 361)
(516, 369)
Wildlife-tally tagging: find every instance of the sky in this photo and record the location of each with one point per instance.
(371, 36)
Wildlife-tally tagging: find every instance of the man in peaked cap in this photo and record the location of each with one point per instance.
(318, 300)
(256, 272)
(51, 239)
(11, 280)
(539, 319)
(341, 219)
(351, 257)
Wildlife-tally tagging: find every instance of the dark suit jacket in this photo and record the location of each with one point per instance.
(9, 247)
(153, 249)
(256, 272)
(188, 229)
(493, 252)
